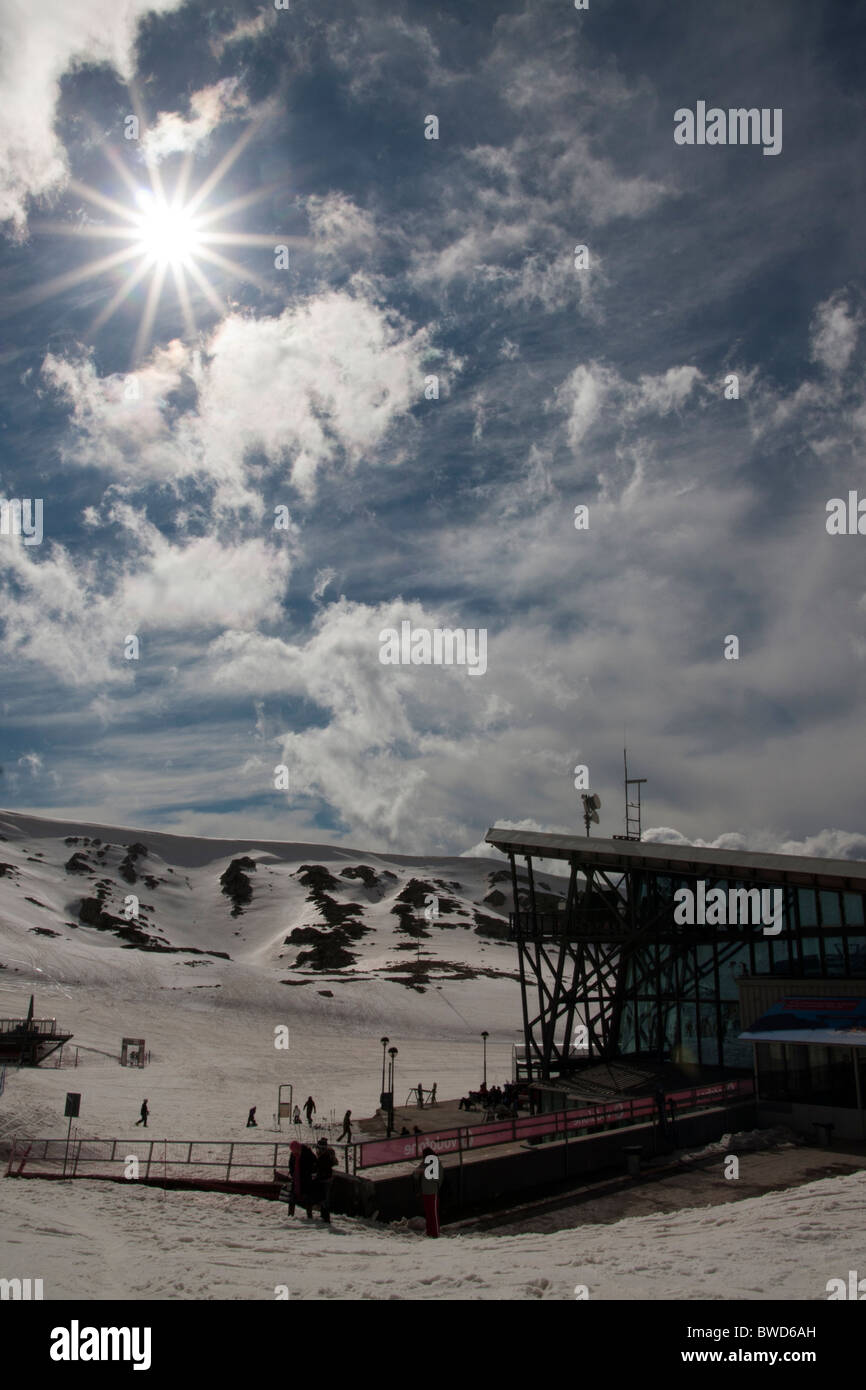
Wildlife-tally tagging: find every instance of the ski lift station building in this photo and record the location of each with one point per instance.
(723, 963)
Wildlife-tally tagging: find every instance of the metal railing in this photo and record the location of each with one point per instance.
(241, 1161)
(31, 1025)
(226, 1160)
(379, 1153)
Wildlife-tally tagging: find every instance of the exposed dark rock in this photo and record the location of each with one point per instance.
(329, 948)
(491, 926)
(126, 868)
(236, 885)
(495, 898)
(43, 931)
(77, 864)
(316, 876)
(368, 876)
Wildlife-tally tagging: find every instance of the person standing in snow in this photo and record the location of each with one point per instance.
(326, 1162)
(251, 1119)
(296, 1116)
(433, 1093)
(347, 1128)
(429, 1180)
(144, 1114)
(301, 1164)
(310, 1109)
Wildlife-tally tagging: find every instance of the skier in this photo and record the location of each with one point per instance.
(301, 1163)
(347, 1128)
(251, 1119)
(144, 1114)
(326, 1162)
(429, 1179)
(310, 1109)
(296, 1117)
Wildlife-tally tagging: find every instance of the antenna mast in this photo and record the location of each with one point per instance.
(632, 808)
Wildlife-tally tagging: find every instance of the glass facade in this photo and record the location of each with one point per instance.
(678, 991)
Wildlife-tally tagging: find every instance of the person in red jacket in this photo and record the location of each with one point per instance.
(429, 1180)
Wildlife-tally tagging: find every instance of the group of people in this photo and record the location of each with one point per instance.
(309, 1111)
(494, 1100)
(311, 1173)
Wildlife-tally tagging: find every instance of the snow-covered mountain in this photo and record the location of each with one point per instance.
(89, 905)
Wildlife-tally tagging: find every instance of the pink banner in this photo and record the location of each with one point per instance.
(405, 1150)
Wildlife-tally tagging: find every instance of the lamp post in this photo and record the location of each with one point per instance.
(384, 1042)
(392, 1053)
(484, 1036)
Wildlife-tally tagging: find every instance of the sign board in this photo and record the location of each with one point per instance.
(284, 1101)
(73, 1103)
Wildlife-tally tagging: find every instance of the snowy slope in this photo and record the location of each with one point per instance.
(128, 1242)
(207, 977)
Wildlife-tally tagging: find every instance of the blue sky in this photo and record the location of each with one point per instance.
(161, 440)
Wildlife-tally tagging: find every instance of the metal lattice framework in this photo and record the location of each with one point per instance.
(613, 958)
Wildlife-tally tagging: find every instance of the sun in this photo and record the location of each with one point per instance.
(169, 234)
(164, 235)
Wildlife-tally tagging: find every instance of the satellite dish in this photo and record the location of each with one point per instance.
(590, 802)
(596, 800)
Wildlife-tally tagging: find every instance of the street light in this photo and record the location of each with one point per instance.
(484, 1037)
(384, 1042)
(392, 1053)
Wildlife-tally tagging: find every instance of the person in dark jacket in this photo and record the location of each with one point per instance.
(144, 1114)
(429, 1179)
(251, 1119)
(347, 1128)
(326, 1162)
(301, 1167)
(660, 1106)
(309, 1109)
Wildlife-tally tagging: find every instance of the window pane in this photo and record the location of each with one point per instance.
(830, 914)
(762, 958)
(808, 915)
(854, 909)
(857, 954)
(834, 955)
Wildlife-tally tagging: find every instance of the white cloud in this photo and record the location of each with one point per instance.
(41, 42)
(72, 616)
(834, 333)
(209, 107)
(327, 379)
(321, 582)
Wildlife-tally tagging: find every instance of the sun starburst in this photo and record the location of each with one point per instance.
(162, 232)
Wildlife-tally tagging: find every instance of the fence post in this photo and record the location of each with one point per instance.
(229, 1164)
(149, 1157)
